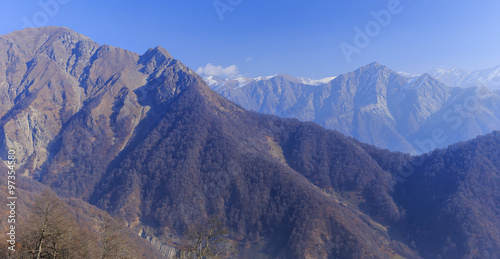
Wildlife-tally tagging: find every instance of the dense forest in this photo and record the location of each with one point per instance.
(452, 200)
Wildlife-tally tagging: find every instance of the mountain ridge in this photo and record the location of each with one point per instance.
(375, 101)
(489, 78)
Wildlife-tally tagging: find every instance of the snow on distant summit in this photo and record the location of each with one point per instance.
(309, 81)
(453, 77)
(216, 82)
(213, 80)
(458, 77)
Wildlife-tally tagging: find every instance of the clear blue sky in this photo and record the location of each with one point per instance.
(300, 38)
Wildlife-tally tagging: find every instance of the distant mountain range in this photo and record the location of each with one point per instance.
(376, 105)
(489, 78)
(144, 138)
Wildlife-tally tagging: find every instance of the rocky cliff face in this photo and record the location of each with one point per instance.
(52, 75)
(40, 88)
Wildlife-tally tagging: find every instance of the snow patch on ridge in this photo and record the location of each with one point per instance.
(315, 82)
(216, 82)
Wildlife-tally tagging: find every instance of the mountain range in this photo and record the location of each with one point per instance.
(489, 78)
(377, 105)
(144, 138)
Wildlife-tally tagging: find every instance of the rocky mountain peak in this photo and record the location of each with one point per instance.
(50, 74)
(371, 68)
(285, 78)
(46, 39)
(155, 57)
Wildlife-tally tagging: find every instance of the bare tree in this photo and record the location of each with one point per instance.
(52, 231)
(113, 243)
(47, 226)
(207, 240)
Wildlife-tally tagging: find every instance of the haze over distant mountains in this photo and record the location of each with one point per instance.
(376, 105)
(143, 137)
(489, 78)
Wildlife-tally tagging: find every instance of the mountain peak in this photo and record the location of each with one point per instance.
(49, 30)
(155, 57)
(160, 51)
(39, 36)
(286, 77)
(375, 64)
(371, 68)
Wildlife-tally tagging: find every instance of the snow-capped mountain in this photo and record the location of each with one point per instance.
(394, 110)
(458, 77)
(216, 82)
(310, 81)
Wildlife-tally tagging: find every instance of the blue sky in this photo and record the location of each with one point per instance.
(300, 38)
